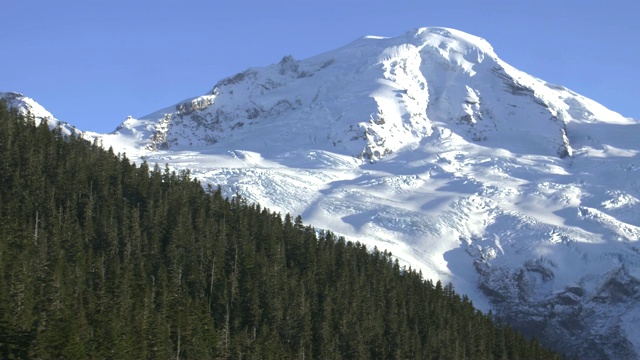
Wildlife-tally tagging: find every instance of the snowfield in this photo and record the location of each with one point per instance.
(523, 194)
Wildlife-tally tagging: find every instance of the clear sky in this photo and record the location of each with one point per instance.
(94, 62)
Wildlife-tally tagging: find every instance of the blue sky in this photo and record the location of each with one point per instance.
(94, 62)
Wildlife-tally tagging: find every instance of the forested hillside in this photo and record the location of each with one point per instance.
(104, 259)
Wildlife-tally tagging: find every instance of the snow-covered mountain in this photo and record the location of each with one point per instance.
(523, 194)
(29, 107)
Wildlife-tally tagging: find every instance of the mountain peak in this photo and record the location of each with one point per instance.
(466, 40)
(29, 107)
(374, 97)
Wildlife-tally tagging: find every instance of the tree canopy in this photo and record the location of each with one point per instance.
(101, 258)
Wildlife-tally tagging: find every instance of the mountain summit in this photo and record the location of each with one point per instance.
(522, 193)
(377, 96)
(29, 107)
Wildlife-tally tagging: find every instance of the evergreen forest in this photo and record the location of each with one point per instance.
(102, 258)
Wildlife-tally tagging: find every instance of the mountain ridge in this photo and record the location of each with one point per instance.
(519, 192)
(364, 124)
(29, 107)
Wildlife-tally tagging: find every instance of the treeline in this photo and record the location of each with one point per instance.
(104, 259)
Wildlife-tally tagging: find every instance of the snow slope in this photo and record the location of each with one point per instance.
(523, 194)
(29, 107)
